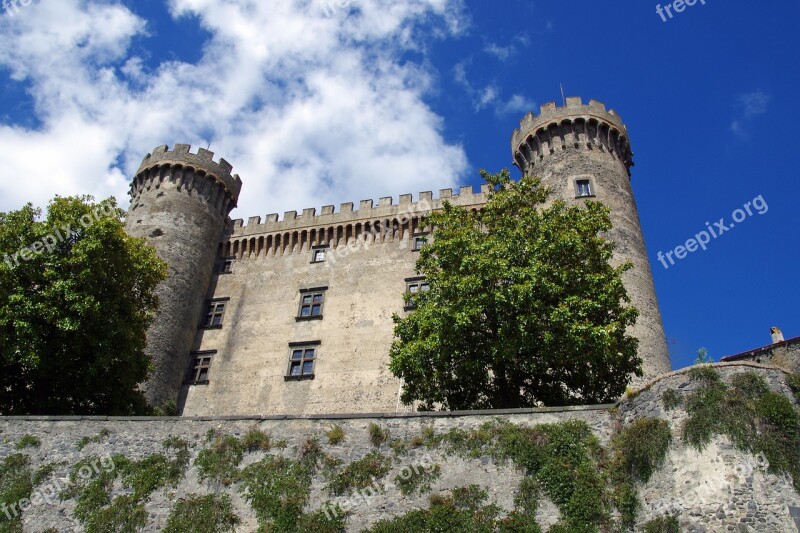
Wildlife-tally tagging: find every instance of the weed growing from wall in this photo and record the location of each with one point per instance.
(636, 452)
(567, 463)
(255, 440)
(664, 524)
(793, 381)
(377, 434)
(756, 420)
(671, 399)
(462, 511)
(28, 441)
(92, 487)
(359, 474)
(202, 514)
(96, 439)
(278, 490)
(417, 479)
(335, 434)
(220, 462)
(15, 486)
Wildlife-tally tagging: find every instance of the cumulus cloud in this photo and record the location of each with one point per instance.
(313, 101)
(749, 106)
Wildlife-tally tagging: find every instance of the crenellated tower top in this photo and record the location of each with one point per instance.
(574, 125)
(202, 163)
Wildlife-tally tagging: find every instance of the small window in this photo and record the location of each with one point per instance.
(318, 255)
(215, 314)
(583, 188)
(413, 288)
(201, 365)
(311, 302)
(419, 241)
(302, 357)
(226, 267)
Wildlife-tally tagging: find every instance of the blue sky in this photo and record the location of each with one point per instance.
(319, 103)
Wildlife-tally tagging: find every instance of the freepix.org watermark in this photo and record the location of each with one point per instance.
(702, 239)
(48, 493)
(329, 7)
(365, 496)
(12, 7)
(49, 243)
(678, 6)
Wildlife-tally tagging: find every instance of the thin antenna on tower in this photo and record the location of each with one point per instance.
(209, 146)
(563, 100)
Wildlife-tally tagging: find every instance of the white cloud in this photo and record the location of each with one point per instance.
(311, 105)
(490, 95)
(516, 104)
(500, 52)
(749, 105)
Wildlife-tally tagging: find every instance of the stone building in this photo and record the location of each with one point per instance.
(293, 315)
(783, 353)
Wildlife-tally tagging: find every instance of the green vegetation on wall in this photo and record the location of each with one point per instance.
(202, 514)
(92, 480)
(754, 418)
(567, 463)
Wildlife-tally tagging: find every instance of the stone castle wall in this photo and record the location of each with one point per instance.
(719, 489)
(562, 145)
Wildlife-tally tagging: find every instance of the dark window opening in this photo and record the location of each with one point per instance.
(583, 188)
(201, 366)
(301, 361)
(311, 302)
(214, 315)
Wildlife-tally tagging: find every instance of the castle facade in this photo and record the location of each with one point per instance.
(293, 315)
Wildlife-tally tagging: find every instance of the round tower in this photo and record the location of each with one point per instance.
(180, 203)
(582, 151)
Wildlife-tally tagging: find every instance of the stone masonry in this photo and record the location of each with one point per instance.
(719, 489)
(232, 310)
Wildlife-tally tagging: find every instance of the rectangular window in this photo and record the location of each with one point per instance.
(318, 255)
(226, 267)
(215, 314)
(583, 188)
(419, 241)
(414, 286)
(302, 357)
(201, 365)
(311, 302)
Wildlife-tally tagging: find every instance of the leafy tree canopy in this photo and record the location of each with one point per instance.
(76, 298)
(523, 306)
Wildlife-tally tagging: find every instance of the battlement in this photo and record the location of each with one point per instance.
(367, 210)
(203, 161)
(575, 125)
(552, 114)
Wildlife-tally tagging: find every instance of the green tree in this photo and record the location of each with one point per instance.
(523, 306)
(76, 298)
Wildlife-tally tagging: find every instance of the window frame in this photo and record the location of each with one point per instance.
(312, 293)
(303, 347)
(211, 312)
(325, 249)
(422, 238)
(227, 261)
(419, 282)
(196, 366)
(578, 182)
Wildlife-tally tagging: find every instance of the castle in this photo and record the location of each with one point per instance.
(294, 315)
